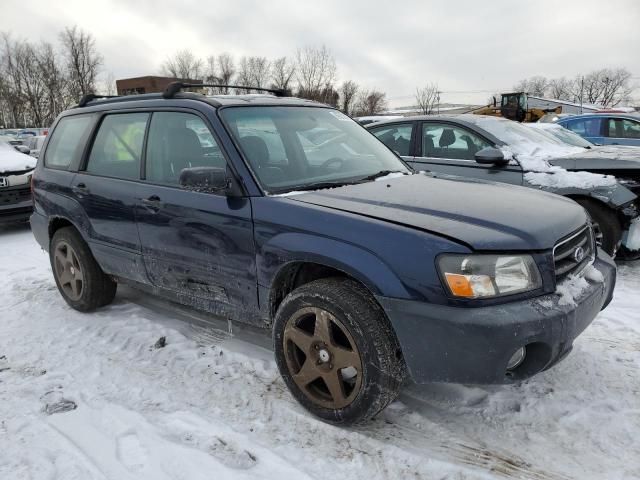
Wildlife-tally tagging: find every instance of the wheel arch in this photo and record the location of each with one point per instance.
(322, 258)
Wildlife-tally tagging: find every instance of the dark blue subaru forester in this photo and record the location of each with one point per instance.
(286, 214)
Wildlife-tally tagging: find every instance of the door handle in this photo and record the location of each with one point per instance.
(80, 189)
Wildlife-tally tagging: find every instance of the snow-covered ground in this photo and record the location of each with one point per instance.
(212, 406)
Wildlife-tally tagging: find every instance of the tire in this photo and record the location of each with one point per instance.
(360, 339)
(80, 280)
(606, 225)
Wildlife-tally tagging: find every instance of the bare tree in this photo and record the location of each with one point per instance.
(282, 72)
(183, 64)
(561, 89)
(371, 102)
(534, 86)
(348, 92)
(315, 72)
(427, 98)
(109, 84)
(83, 61)
(607, 87)
(226, 70)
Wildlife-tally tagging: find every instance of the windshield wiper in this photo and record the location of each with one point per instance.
(381, 173)
(315, 186)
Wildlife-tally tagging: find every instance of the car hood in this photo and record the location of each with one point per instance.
(611, 152)
(14, 161)
(483, 215)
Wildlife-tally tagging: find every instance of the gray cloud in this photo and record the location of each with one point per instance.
(469, 47)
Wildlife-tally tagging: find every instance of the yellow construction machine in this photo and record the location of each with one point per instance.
(515, 106)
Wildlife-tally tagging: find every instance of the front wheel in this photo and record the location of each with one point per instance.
(336, 351)
(606, 226)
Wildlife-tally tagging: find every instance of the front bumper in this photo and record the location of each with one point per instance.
(473, 345)
(15, 204)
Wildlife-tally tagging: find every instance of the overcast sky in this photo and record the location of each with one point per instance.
(471, 48)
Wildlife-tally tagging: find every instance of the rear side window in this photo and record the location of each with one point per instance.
(623, 128)
(117, 148)
(67, 141)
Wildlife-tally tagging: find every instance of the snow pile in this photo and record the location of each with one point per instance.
(572, 288)
(632, 242)
(392, 175)
(11, 160)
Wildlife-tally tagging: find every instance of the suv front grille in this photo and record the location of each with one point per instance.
(573, 254)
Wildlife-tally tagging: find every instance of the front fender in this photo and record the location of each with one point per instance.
(290, 247)
(613, 196)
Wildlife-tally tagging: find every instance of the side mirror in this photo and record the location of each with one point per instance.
(205, 179)
(22, 149)
(490, 155)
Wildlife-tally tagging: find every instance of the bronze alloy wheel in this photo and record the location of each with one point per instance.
(68, 271)
(322, 358)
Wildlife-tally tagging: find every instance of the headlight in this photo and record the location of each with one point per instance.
(481, 276)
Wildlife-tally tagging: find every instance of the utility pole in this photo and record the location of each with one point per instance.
(581, 92)
(438, 100)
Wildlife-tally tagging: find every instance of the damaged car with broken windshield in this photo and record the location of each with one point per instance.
(499, 150)
(287, 215)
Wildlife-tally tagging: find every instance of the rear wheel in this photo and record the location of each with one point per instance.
(79, 278)
(336, 351)
(606, 226)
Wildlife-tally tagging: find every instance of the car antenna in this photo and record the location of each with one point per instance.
(175, 87)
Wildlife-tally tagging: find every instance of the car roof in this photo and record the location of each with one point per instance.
(212, 100)
(632, 116)
(467, 119)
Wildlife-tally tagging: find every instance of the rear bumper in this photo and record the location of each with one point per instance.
(40, 229)
(473, 345)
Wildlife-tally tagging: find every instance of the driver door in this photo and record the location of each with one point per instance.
(196, 244)
(449, 148)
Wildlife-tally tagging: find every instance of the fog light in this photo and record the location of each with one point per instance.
(516, 359)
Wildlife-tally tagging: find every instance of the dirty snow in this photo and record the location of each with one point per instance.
(572, 288)
(11, 160)
(96, 396)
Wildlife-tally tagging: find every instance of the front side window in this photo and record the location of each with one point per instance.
(177, 141)
(397, 137)
(447, 141)
(589, 127)
(67, 141)
(117, 148)
(293, 148)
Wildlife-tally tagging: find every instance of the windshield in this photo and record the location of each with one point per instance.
(293, 148)
(562, 134)
(522, 140)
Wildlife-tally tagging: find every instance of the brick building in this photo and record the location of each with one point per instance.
(148, 84)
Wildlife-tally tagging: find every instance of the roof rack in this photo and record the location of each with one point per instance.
(89, 97)
(175, 87)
